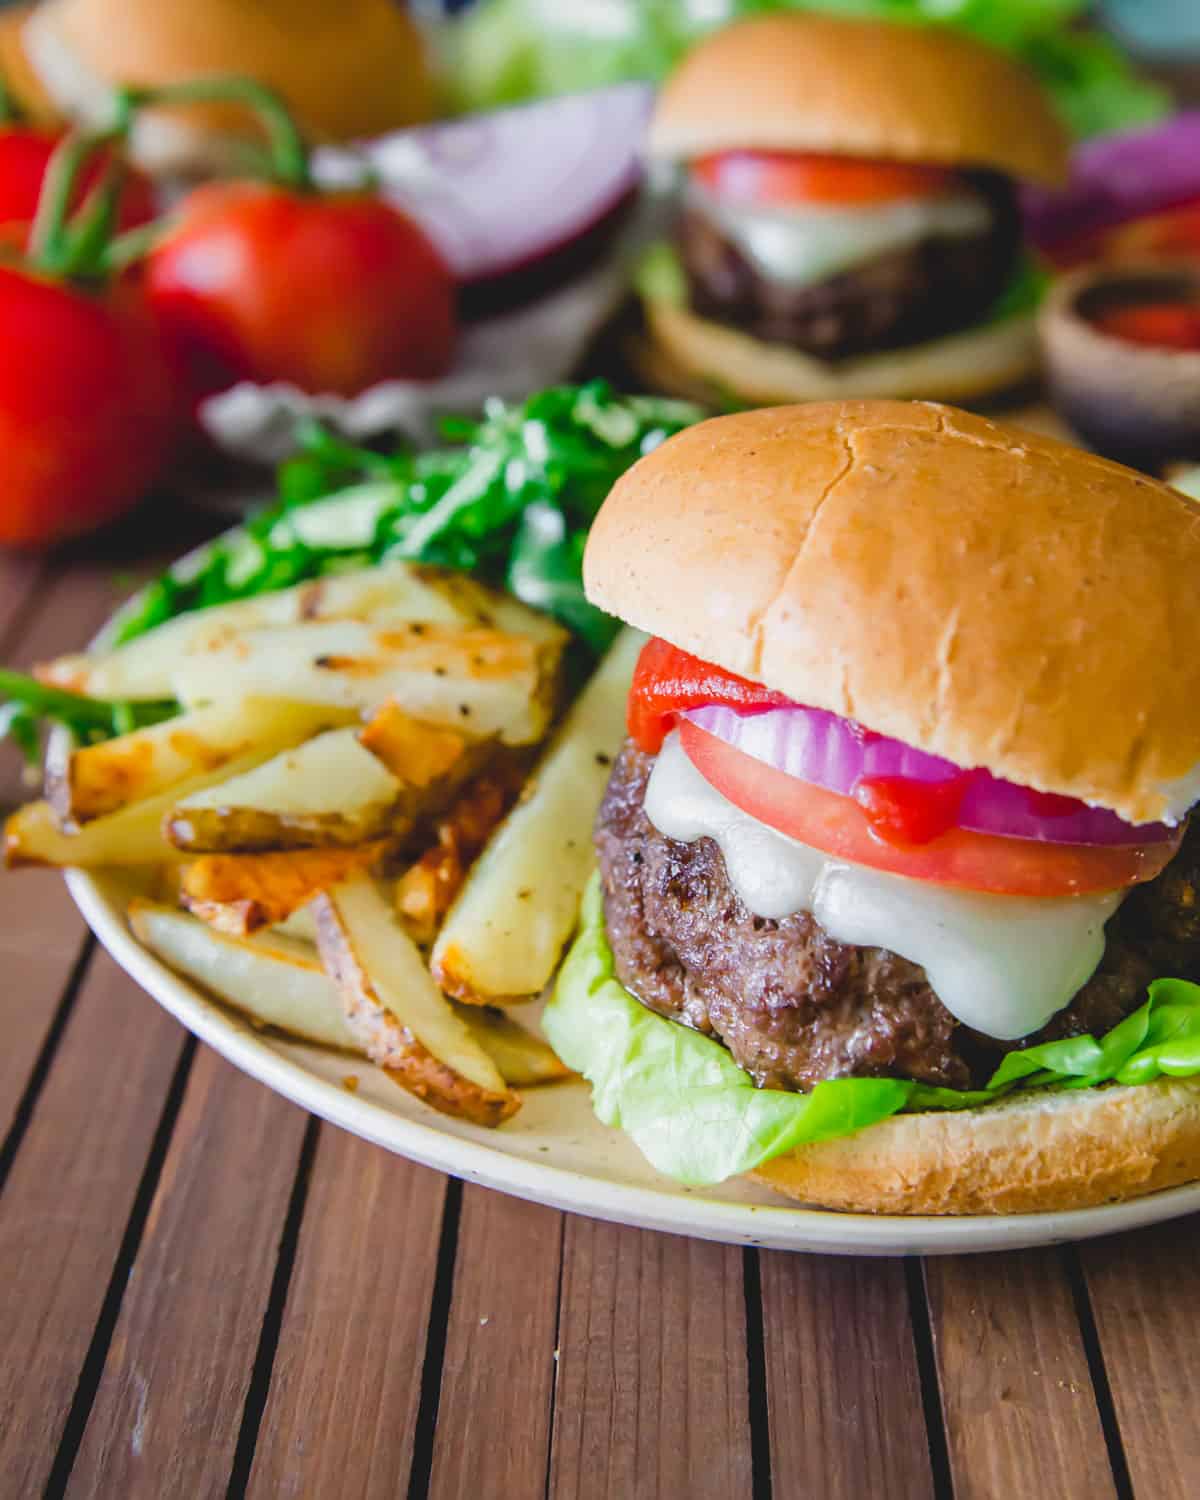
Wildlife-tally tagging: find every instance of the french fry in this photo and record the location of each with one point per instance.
(396, 1012)
(481, 682)
(92, 782)
(390, 595)
(523, 1059)
(425, 891)
(332, 790)
(327, 791)
(277, 981)
(239, 893)
(506, 931)
(274, 980)
(131, 836)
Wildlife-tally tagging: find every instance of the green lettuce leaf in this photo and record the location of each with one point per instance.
(696, 1116)
(506, 51)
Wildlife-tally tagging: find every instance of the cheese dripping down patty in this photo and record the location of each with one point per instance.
(800, 245)
(1002, 965)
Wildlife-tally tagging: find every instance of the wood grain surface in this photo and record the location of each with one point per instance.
(345, 1389)
(492, 1431)
(653, 1394)
(183, 1350)
(1016, 1389)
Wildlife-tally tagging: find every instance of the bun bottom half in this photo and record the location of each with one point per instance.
(1030, 1153)
(692, 357)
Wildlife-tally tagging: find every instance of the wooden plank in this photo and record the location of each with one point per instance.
(66, 1204)
(346, 1384)
(1143, 1289)
(42, 933)
(168, 1409)
(1021, 1413)
(19, 577)
(652, 1397)
(843, 1389)
(493, 1427)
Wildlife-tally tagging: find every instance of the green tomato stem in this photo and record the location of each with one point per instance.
(288, 153)
(51, 249)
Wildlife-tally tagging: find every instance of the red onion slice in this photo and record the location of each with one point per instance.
(1116, 178)
(816, 746)
(500, 191)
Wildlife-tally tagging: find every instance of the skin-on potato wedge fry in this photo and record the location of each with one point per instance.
(481, 682)
(239, 893)
(332, 790)
(524, 1060)
(506, 931)
(278, 981)
(395, 1009)
(274, 980)
(390, 595)
(327, 791)
(83, 784)
(131, 836)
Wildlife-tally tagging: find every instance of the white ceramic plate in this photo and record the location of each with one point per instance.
(555, 1151)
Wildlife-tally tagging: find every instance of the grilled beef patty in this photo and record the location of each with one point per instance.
(795, 1006)
(903, 297)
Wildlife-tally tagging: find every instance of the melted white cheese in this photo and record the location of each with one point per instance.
(800, 245)
(1002, 965)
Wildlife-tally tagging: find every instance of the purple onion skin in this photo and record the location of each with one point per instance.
(835, 753)
(1116, 178)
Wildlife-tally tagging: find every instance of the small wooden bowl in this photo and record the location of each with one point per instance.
(1133, 402)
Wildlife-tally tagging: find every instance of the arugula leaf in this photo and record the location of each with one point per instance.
(29, 704)
(510, 501)
(697, 1116)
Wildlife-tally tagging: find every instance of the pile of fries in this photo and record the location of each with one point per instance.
(370, 824)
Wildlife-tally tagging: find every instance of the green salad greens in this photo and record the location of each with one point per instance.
(697, 1117)
(505, 51)
(510, 499)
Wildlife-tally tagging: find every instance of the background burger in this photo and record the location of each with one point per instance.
(848, 220)
(897, 847)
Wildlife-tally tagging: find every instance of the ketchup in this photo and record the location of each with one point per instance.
(903, 812)
(667, 680)
(1160, 325)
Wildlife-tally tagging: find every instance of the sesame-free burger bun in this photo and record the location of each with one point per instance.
(347, 70)
(800, 81)
(982, 593)
(687, 355)
(1030, 1153)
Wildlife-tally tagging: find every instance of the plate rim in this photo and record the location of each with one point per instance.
(784, 1226)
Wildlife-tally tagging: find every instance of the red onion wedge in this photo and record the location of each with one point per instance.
(1117, 178)
(507, 190)
(819, 747)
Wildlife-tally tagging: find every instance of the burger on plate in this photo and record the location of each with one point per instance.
(848, 217)
(897, 903)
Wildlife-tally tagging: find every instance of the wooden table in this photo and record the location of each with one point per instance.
(205, 1293)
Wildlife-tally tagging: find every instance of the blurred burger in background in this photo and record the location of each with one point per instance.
(347, 68)
(848, 220)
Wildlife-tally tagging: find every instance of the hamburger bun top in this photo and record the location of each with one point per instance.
(800, 81)
(985, 594)
(350, 69)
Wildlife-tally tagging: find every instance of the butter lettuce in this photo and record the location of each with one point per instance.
(697, 1117)
(505, 51)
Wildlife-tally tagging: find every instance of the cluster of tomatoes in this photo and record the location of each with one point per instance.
(116, 323)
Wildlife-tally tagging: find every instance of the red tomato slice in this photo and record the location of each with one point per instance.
(973, 861)
(793, 177)
(667, 680)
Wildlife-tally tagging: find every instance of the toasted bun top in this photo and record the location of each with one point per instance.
(346, 67)
(799, 81)
(983, 593)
